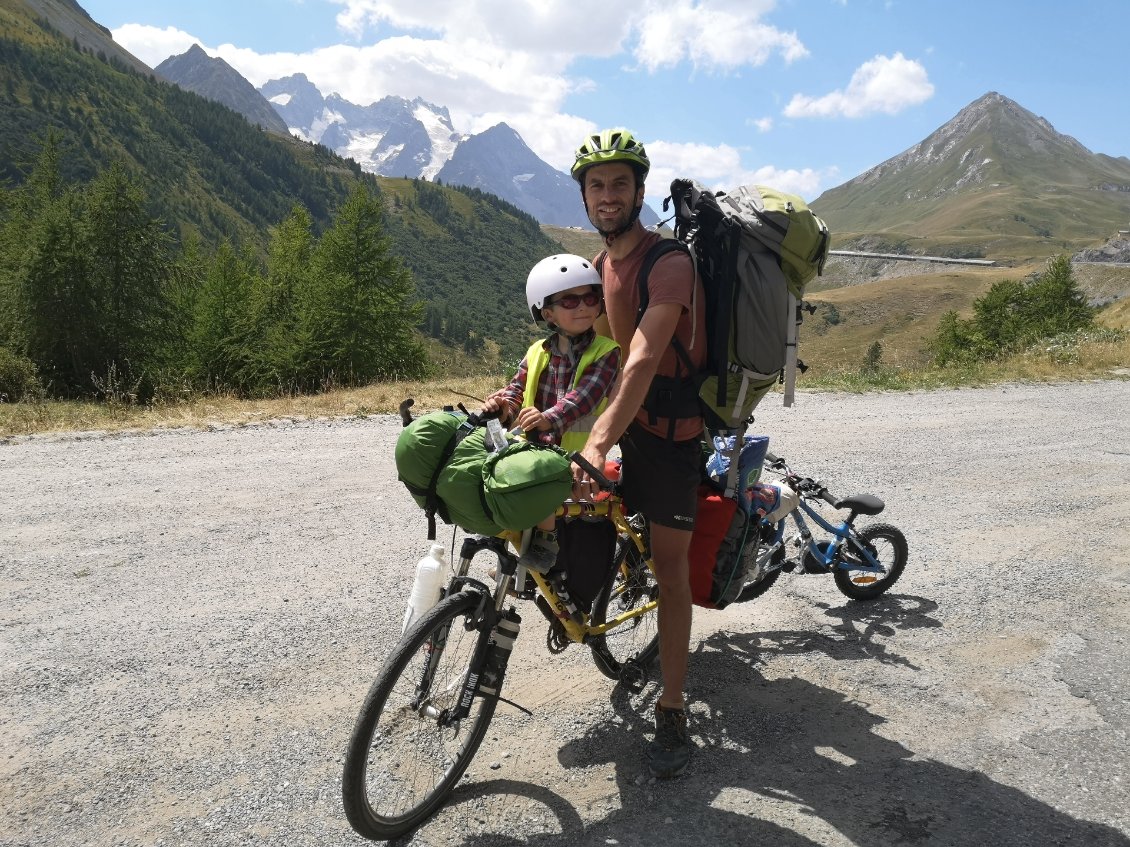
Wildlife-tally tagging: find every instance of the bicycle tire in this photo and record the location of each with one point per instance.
(395, 753)
(755, 589)
(630, 585)
(888, 545)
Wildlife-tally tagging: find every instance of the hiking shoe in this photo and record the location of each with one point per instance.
(541, 555)
(668, 754)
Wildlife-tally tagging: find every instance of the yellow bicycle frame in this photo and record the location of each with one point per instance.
(609, 508)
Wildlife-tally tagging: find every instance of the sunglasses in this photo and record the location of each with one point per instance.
(572, 301)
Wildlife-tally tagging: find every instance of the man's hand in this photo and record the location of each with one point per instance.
(583, 487)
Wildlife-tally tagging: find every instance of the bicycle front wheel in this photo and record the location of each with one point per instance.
(631, 586)
(405, 753)
(887, 545)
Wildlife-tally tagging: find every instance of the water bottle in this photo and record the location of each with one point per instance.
(426, 587)
(495, 438)
(498, 651)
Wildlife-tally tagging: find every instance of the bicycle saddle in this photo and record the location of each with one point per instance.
(863, 504)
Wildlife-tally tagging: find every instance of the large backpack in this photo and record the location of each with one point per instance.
(755, 249)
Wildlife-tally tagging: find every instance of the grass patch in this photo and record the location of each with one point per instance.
(1102, 354)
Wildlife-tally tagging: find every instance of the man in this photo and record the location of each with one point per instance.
(662, 453)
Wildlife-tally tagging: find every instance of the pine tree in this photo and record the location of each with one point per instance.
(130, 263)
(358, 317)
(222, 352)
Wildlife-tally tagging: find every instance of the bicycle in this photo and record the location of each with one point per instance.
(429, 708)
(864, 563)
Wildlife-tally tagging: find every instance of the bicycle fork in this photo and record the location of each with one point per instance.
(497, 632)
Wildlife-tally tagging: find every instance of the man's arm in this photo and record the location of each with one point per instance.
(651, 339)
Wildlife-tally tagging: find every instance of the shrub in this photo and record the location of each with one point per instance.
(1013, 315)
(19, 377)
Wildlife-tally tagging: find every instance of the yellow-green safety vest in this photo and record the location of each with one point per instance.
(537, 359)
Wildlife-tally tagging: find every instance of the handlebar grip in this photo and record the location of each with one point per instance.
(584, 464)
(405, 414)
(828, 498)
(477, 418)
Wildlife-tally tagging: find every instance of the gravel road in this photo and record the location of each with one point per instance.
(191, 619)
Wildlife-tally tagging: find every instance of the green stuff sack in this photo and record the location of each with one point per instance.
(449, 473)
(460, 487)
(420, 450)
(525, 483)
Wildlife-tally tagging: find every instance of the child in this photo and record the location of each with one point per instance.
(563, 382)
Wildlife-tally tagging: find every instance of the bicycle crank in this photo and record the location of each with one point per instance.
(556, 639)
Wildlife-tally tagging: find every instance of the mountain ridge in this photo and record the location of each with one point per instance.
(397, 137)
(215, 79)
(994, 180)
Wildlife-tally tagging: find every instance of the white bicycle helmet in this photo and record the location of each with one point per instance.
(555, 274)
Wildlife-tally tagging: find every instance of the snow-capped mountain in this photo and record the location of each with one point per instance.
(497, 160)
(391, 137)
(414, 138)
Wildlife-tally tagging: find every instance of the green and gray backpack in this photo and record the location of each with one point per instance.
(755, 249)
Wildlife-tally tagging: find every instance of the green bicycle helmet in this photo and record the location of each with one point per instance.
(611, 145)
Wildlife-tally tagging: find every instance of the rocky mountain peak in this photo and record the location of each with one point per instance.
(212, 77)
(979, 135)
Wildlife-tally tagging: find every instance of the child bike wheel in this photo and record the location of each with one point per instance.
(631, 585)
(402, 760)
(888, 545)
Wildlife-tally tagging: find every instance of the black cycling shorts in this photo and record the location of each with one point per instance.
(661, 477)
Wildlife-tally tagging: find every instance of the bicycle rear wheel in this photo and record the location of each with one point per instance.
(630, 586)
(888, 545)
(402, 759)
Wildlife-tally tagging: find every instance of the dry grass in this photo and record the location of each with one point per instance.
(384, 398)
(579, 242)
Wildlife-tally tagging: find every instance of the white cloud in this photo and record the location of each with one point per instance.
(720, 167)
(762, 124)
(886, 84)
(151, 44)
(510, 60)
(548, 28)
(718, 35)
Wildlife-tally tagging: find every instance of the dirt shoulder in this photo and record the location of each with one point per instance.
(191, 620)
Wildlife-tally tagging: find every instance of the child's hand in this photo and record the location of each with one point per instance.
(495, 405)
(530, 419)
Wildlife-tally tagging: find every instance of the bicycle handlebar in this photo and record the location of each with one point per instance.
(603, 482)
(804, 485)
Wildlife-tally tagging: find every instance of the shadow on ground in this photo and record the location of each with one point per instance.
(788, 763)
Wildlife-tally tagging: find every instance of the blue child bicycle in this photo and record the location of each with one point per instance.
(864, 562)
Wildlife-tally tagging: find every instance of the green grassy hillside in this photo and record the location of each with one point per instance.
(996, 181)
(903, 313)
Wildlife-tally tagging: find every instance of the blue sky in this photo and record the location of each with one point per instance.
(801, 94)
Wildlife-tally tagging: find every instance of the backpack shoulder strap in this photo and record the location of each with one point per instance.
(656, 252)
